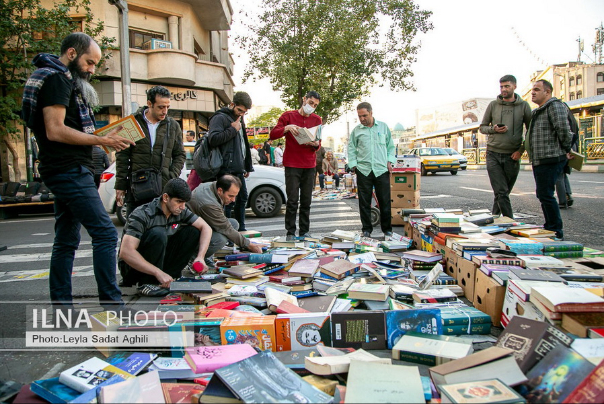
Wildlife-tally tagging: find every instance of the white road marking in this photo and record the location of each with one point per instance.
(42, 245)
(40, 234)
(593, 182)
(4, 259)
(435, 196)
(477, 189)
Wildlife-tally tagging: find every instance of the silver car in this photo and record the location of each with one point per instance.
(265, 187)
(463, 160)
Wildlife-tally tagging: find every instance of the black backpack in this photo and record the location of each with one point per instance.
(262, 158)
(206, 160)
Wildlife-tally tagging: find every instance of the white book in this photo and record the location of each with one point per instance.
(330, 365)
(90, 374)
(307, 135)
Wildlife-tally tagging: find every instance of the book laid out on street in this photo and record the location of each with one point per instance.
(206, 359)
(339, 268)
(423, 256)
(374, 382)
(577, 161)
(368, 291)
(430, 350)
(463, 315)
(190, 287)
(263, 378)
(331, 365)
(317, 304)
(568, 300)
(530, 340)
(534, 275)
(555, 377)
(424, 321)
(255, 331)
(305, 268)
(217, 392)
(52, 390)
(180, 392)
(482, 391)
(303, 330)
(242, 271)
(358, 329)
(295, 359)
(579, 324)
(145, 388)
(131, 130)
(307, 135)
(274, 298)
(90, 374)
(490, 361)
(434, 296)
(590, 390)
(134, 363)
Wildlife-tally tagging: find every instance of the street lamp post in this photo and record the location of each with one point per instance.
(122, 7)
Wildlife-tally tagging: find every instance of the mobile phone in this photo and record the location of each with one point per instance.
(500, 125)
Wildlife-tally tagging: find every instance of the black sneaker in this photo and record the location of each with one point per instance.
(569, 200)
(366, 234)
(152, 291)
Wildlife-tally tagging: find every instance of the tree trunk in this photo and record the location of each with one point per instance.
(17, 172)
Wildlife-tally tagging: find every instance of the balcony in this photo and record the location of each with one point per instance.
(215, 15)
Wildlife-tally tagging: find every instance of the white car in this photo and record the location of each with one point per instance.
(265, 187)
(463, 160)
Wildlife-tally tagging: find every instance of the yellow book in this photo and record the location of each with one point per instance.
(130, 130)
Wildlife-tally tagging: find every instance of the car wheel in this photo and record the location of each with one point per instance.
(265, 202)
(120, 212)
(464, 168)
(375, 216)
(424, 172)
(454, 172)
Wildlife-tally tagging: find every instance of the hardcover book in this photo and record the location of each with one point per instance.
(434, 296)
(317, 304)
(258, 332)
(180, 392)
(295, 359)
(190, 287)
(300, 331)
(555, 377)
(368, 291)
(145, 388)
(424, 321)
(262, 378)
(339, 268)
(482, 391)
(568, 300)
(275, 297)
(330, 365)
(242, 272)
(534, 275)
(579, 324)
(90, 374)
(590, 390)
(463, 316)
(305, 268)
(430, 350)
(130, 129)
(531, 340)
(206, 359)
(358, 329)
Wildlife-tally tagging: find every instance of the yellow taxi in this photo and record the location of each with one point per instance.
(436, 159)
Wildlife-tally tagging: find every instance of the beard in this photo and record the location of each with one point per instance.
(82, 82)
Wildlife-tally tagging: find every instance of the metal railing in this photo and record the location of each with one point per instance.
(594, 148)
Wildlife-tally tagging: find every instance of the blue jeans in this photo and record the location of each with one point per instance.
(336, 179)
(238, 207)
(546, 176)
(77, 203)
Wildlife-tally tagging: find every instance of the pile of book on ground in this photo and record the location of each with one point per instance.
(330, 319)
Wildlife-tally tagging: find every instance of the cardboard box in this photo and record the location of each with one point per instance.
(408, 230)
(514, 306)
(417, 238)
(407, 163)
(489, 297)
(438, 248)
(405, 181)
(404, 199)
(451, 262)
(397, 219)
(466, 277)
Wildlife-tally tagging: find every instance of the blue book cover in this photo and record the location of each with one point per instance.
(55, 392)
(136, 362)
(424, 321)
(206, 332)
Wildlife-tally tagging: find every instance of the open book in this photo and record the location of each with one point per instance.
(130, 130)
(307, 135)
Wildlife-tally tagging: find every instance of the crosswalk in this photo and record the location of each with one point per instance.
(325, 217)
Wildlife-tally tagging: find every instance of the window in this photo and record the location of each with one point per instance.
(600, 77)
(600, 91)
(571, 81)
(579, 94)
(571, 97)
(138, 38)
(198, 50)
(579, 80)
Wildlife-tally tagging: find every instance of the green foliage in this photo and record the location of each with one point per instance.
(340, 48)
(267, 119)
(26, 29)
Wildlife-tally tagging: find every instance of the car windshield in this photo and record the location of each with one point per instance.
(433, 151)
(452, 152)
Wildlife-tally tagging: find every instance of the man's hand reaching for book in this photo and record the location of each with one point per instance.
(114, 140)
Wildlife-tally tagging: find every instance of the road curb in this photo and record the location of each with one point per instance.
(588, 168)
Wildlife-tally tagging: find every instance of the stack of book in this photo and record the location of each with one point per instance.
(446, 223)
(562, 249)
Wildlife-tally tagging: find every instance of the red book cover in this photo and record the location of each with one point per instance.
(286, 307)
(591, 389)
(224, 305)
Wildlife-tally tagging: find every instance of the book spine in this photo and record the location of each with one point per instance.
(414, 357)
(565, 254)
(590, 390)
(481, 329)
(464, 320)
(237, 257)
(445, 282)
(273, 270)
(560, 248)
(435, 299)
(261, 258)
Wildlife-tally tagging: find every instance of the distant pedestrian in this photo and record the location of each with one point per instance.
(371, 154)
(548, 143)
(299, 161)
(190, 136)
(254, 155)
(57, 105)
(101, 163)
(267, 152)
(279, 155)
(330, 168)
(504, 122)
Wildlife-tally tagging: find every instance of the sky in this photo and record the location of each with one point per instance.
(473, 44)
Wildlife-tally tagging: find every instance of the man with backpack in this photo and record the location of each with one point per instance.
(227, 133)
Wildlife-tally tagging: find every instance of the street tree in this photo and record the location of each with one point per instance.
(340, 48)
(267, 119)
(26, 29)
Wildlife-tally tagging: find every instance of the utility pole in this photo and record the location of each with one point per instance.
(122, 7)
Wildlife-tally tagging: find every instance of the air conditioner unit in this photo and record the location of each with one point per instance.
(157, 44)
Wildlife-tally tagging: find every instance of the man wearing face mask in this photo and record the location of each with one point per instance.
(227, 132)
(299, 161)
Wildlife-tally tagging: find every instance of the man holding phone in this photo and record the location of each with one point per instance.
(503, 122)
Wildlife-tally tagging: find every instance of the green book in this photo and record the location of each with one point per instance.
(564, 254)
(481, 329)
(463, 316)
(557, 246)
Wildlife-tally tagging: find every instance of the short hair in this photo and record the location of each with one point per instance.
(242, 98)
(79, 41)
(508, 77)
(226, 181)
(191, 133)
(313, 94)
(546, 85)
(156, 91)
(365, 105)
(178, 188)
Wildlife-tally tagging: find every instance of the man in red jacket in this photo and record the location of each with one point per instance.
(299, 161)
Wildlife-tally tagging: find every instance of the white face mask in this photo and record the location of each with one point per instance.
(308, 109)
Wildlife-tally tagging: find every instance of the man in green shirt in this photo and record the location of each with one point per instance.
(371, 155)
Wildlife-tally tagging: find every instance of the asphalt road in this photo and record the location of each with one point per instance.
(24, 265)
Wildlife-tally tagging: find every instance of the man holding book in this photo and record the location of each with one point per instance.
(208, 202)
(299, 161)
(161, 150)
(160, 238)
(371, 154)
(57, 106)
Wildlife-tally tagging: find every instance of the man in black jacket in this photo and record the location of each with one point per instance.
(227, 132)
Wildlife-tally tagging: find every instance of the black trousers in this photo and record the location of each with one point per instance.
(503, 172)
(299, 187)
(366, 184)
(170, 254)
